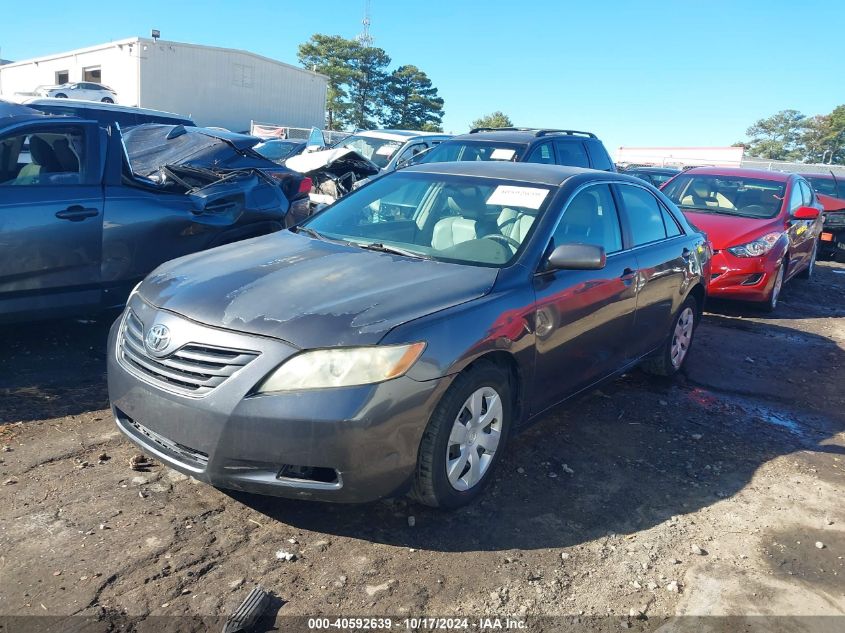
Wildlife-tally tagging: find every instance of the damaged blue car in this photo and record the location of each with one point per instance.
(80, 225)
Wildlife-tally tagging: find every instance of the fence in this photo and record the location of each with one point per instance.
(801, 168)
(274, 130)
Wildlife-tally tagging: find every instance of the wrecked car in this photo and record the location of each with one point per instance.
(333, 172)
(79, 228)
(390, 343)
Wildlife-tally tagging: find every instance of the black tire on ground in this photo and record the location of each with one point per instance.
(661, 363)
(431, 483)
(61, 95)
(107, 100)
(807, 273)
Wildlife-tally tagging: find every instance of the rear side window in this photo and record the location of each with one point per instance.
(541, 154)
(571, 153)
(598, 155)
(645, 215)
(49, 156)
(672, 228)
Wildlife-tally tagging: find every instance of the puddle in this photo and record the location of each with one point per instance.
(738, 407)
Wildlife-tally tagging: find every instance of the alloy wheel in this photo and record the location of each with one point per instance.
(682, 337)
(474, 438)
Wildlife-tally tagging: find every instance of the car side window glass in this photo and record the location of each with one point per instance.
(796, 198)
(644, 215)
(541, 154)
(672, 228)
(571, 153)
(806, 194)
(599, 156)
(590, 217)
(52, 157)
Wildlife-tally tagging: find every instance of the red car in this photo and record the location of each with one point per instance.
(831, 193)
(763, 226)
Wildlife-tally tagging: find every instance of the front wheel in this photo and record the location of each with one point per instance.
(774, 296)
(672, 355)
(465, 438)
(807, 273)
(61, 95)
(107, 100)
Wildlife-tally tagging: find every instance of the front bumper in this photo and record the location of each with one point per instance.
(353, 444)
(742, 278)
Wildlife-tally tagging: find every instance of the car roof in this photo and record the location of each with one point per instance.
(522, 135)
(654, 170)
(99, 105)
(739, 172)
(538, 173)
(11, 109)
(396, 135)
(824, 175)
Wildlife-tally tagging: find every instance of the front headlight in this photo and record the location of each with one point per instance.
(758, 247)
(342, 367)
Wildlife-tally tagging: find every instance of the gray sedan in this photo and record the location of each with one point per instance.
(395, 341)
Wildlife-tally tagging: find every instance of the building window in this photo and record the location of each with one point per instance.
(243, 75)
(92, 73)
(62, 77)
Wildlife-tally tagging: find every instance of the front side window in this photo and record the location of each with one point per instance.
(378, 150)
(476, 221)
(590, 218)
(645, 215)
(452, 151)
(541, 154)
(796, 197)
(46, 157)
(727, 195)
(571, 153)
(807, 195)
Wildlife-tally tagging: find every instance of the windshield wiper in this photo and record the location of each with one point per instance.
(311, 232)
(382, 248)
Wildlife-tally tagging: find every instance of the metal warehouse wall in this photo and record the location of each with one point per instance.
(116, 61)
(228, 88)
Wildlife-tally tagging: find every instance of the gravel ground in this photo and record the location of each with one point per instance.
(718, 493)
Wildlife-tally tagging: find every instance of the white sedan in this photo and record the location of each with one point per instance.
(86, 90)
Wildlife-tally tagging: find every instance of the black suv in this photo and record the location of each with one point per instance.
(524, 145)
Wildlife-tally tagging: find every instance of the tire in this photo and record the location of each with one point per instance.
(771, 304)
(107, 100)
(807, 273)
(61, 95)
(670, 359)
(439, 448)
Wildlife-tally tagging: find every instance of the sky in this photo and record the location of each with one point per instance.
(637, 73)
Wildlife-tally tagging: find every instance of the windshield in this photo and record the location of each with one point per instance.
(378, 150)
(476, 221)
(824, 186)
(276, 150)
(452, 151)
(746, 197)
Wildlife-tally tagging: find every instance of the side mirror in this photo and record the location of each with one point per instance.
(806, 213)
(577, 257)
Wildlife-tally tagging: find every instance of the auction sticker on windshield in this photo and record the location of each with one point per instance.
(509, 196)
(502, 154)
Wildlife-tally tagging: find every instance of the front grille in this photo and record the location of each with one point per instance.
(179, 451)
(193, 369)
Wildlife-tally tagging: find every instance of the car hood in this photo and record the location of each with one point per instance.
(309, 292)
(830, 203)
(725, 230)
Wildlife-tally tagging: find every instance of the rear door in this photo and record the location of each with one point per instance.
(571, 152)
(663, 256)
(583, 318)
(51, 217)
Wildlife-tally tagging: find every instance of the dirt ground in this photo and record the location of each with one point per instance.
(718, 493)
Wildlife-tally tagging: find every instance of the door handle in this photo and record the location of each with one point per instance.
(77, 213)
(628, 275)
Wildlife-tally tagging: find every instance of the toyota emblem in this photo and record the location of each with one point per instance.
(158, 338)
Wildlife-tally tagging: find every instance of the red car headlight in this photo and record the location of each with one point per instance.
(758, 247)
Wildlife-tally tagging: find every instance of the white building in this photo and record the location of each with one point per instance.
(680, 156)
(215, 86)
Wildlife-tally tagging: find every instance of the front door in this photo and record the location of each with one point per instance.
(583, 318)
(51, 217)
